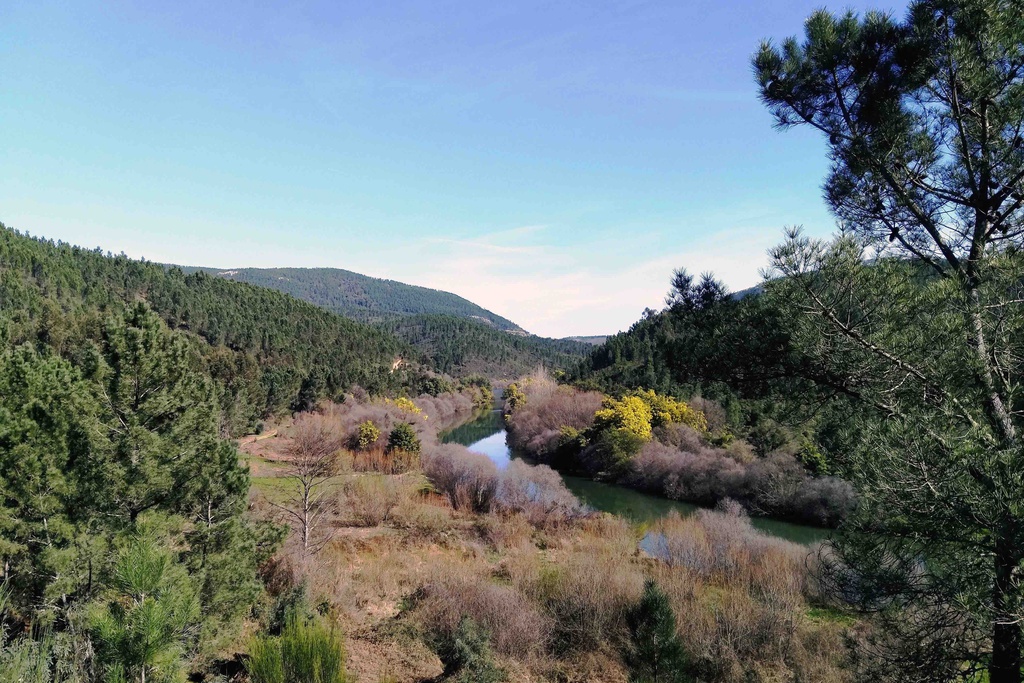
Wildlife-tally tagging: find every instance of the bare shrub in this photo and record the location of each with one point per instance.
(379, 460)
(504, 532)
(515, 625)
(588, 595)
(714, 413)
(679, 436)
(535, 426)
(741, 451)
(738, 597)
(824, 500)
(423, 519)
(777, 485)
(469, 480)
(681, 542)
(538, 493)
(370, 499)
(445, 410)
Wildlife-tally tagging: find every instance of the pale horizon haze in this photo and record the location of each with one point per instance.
(550, 161)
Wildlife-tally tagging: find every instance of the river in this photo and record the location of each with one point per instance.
(486, 435)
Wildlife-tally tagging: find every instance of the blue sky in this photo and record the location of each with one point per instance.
(552, 161)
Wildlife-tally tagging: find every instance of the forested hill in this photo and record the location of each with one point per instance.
(362, 297)
(265, 351)
(461, 347)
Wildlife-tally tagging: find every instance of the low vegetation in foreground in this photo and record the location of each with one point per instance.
(443, 567)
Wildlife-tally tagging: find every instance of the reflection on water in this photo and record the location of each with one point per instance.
(486, 435)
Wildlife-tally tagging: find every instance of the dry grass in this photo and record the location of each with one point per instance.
(406, 564)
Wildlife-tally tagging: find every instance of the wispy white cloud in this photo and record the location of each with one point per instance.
(560, 290)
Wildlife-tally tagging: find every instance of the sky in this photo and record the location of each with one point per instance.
(550, 161)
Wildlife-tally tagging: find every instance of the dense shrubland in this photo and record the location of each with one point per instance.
(668, 447)
(465, 572)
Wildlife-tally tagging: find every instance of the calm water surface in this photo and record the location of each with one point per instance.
(486, 435)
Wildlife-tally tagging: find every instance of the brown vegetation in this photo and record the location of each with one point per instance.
(679, 462)
(414, 557)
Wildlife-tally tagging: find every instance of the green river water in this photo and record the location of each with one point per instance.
(486, 435)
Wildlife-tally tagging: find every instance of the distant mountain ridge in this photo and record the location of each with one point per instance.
(362, 297)
(456, 335)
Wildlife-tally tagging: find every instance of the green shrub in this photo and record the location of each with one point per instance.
(146, 627)
(612, 450)
(403, 438)
(811, 457)
(265, 663)
(515, 397)
(307, 651)
(466, 654)
(655, 654)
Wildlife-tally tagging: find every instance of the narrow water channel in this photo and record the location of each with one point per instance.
(486, 435)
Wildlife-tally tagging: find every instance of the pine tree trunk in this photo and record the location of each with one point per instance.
(1006, 632)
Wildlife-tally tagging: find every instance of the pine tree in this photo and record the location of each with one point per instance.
(47, 425)
(915, 312)
(145, 628)
(403, 439)
(655, 654)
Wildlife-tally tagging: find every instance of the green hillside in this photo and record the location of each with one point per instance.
(359, 296)
(266, 351)
(461, 347)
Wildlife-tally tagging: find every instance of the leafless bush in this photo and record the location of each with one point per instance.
(538, 493)
(371, 499)
(379, 460)
(741, 451)
(469, 480)
(681, 437)
(549, 408)
(423, 519)
(472, 482)
(505, 531)
(718, 421)
(777, 485)
(587, 595)
(445, 410)
(516, 627)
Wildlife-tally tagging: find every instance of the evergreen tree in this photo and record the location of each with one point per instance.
(158, 414)
(143, 631)
(47, 428)
(655, 654)
(403, 439)
(915, 313)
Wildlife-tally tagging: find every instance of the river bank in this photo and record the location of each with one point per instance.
(486, 434)
(411, 559)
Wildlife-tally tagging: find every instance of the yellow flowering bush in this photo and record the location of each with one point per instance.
(406, 405)
(666, 410)
(631, 414)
